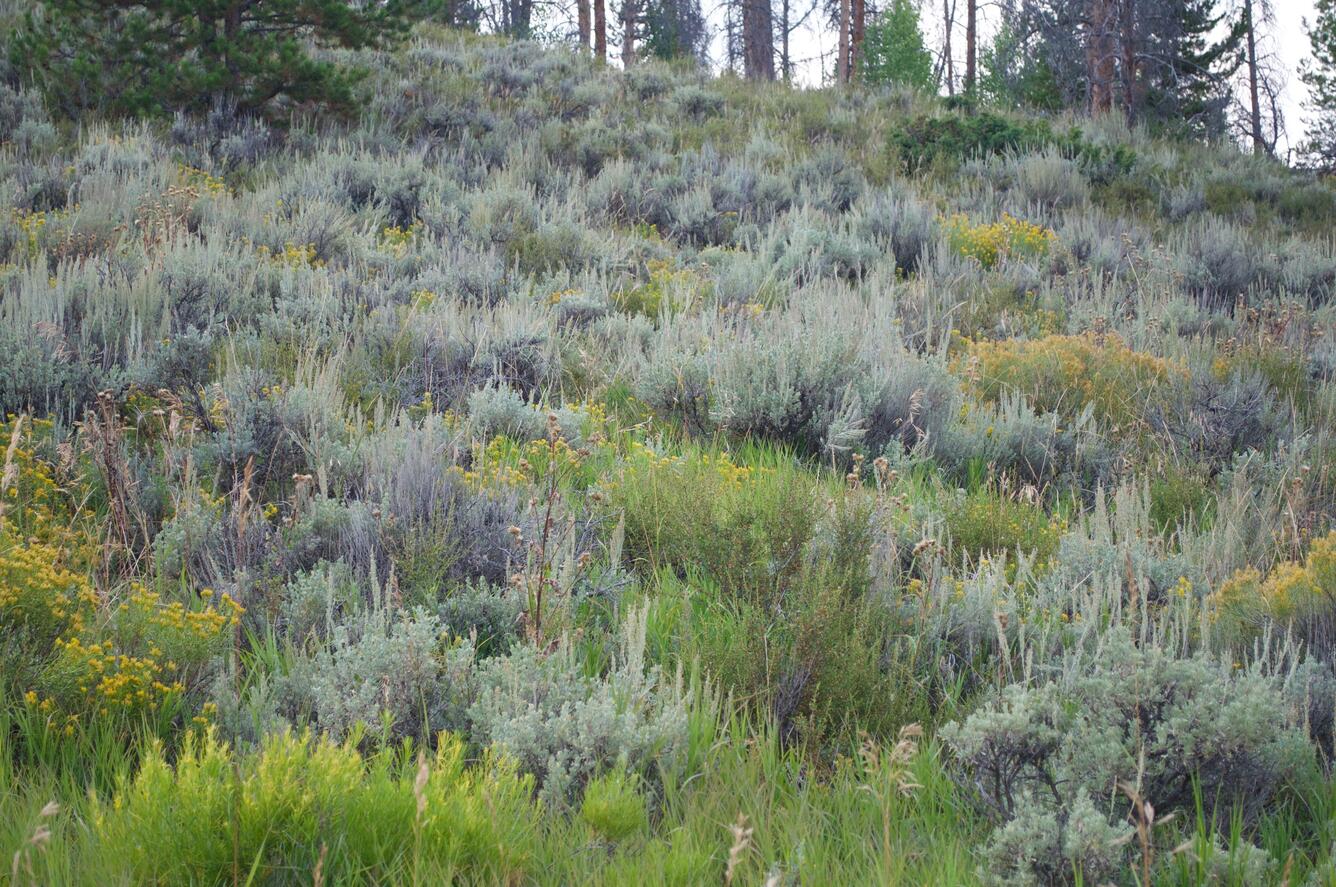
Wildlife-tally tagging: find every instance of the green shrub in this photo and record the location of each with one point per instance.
(925, 140)
(307, 803)
(612, 807)
(566, 728)
(985, 523)
(741, 525)
(1045, 757)
(157, 58)
(376, 671)
(1177, 496)
(816, 669)
(1227, 197)
(1310, 205)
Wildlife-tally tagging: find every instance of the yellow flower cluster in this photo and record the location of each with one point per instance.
(134, 662)
(109, 680)
(1291, 591)
(203, 181)
(294, 255)
(989, 243)
(490, 475)
(503, 462)
(34, 591)
(31, 225)
(720, 465)
(1063, 374)
(33, 505)
(141, 662)
(666, 288)
(398, 241)
(144, 608)
(423, 408)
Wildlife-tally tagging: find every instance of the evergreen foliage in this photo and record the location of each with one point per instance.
(163, 56)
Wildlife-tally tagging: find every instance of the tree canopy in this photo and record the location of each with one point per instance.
(162, 56)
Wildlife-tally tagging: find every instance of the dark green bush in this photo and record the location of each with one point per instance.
(951, 139)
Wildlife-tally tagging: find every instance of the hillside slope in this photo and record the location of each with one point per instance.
(564, 475)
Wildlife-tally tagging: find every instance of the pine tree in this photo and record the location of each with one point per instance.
(1319, 75)
(1015, 77)
(894, 51)
(675, 29)
(1167, 63)
(462, 14)
(1185, 61)
(161, 56)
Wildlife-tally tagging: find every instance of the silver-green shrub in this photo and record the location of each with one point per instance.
(378, 669)
(565, 727)
(1048, 759)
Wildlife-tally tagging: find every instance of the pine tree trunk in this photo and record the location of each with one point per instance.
(600, 30)
(948, 63)
(785, 60)
(1128, 25)
(582, 23)
(629, 14)
(971, 43)
(842, 61)
(758, 40)
(1099, 56)
(1254, 93)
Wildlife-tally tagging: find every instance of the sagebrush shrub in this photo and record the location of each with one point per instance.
(315, 601)
(489, 616)
(1050, 181)
(437, 525)
(565, 728)
(1213, 419)
(1040, 755)
(1216, 261)
(378, 670)
(1118, 543)
(804, 378)
(901, 225)
(1027, 447)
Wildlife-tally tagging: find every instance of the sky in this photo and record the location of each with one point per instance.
(1287, 42)
(1290, 43)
